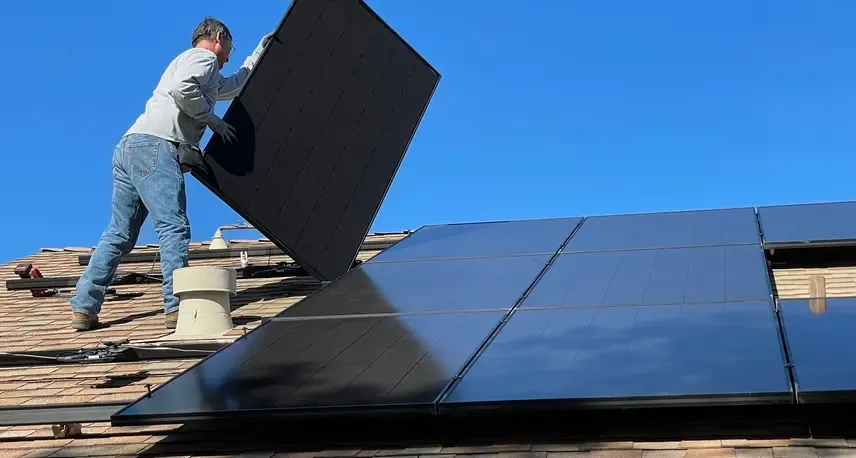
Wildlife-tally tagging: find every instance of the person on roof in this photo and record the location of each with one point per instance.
(150, 160)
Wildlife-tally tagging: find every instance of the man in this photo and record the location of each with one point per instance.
(149, 166)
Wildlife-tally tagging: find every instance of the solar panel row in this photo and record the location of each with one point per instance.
(638, 309)
(446, 317)
(389, 334)
(832, 223)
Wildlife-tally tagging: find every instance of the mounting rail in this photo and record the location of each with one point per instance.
(205, 253)
(89, 412)
(283, 269)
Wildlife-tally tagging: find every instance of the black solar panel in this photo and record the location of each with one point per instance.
(323, 366)
(644, 277)
(822, 344)
(323, 124)
(428, 286)
(507, 238)
(622, 356)
(832, 223)
(666, 230)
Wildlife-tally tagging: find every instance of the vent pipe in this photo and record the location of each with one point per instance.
(204, 294)
(218, 242)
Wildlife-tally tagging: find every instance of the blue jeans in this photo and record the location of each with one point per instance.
(147, 178)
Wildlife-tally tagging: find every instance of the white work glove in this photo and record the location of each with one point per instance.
(264, 42)
(254, 57)
(226, 131)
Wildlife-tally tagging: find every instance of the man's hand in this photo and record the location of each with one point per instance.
(226, 131)
(264, 42)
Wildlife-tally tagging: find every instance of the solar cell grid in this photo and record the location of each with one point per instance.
(646, 277)
(421, 287)
(633, 355)
(503, 238)
(323, 123)
(323, 366)
(821, 342)
(666, 230)
(831, 223)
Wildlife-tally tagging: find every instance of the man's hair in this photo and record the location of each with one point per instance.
(208, 29)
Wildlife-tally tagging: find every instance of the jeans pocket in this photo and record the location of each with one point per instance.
(143, 157)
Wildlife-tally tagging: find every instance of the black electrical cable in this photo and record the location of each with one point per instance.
(107, 353)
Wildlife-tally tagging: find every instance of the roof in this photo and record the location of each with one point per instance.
(40, 324)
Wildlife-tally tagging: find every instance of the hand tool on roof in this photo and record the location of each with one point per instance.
(27, 271)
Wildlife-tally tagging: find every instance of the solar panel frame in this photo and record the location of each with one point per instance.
(479, 394)
(326, 246)
(797, 226)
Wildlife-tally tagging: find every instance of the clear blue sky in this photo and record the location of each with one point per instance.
(546, 108)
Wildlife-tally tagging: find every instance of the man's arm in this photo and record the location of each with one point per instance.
(192, 90)
(230, 86)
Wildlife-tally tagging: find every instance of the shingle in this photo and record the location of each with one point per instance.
(42, 323)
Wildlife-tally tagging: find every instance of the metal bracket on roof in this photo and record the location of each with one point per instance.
(283, 269)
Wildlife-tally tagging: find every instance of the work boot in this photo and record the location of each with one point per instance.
(83, 322)
(171, 319)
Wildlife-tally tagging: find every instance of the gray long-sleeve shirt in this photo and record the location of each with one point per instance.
(183, 101)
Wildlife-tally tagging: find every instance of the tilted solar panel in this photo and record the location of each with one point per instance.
(832, 223)
(323, 123)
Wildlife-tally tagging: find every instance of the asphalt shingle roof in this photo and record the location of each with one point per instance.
(32, 324)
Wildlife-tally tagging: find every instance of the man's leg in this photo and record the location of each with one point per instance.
(163, 192)
(128, 214)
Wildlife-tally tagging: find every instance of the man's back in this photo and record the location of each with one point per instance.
(183, 101)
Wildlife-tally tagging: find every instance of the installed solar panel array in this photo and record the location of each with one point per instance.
(638, 309)
(578, 313)
(818, 331)
(391, 334)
